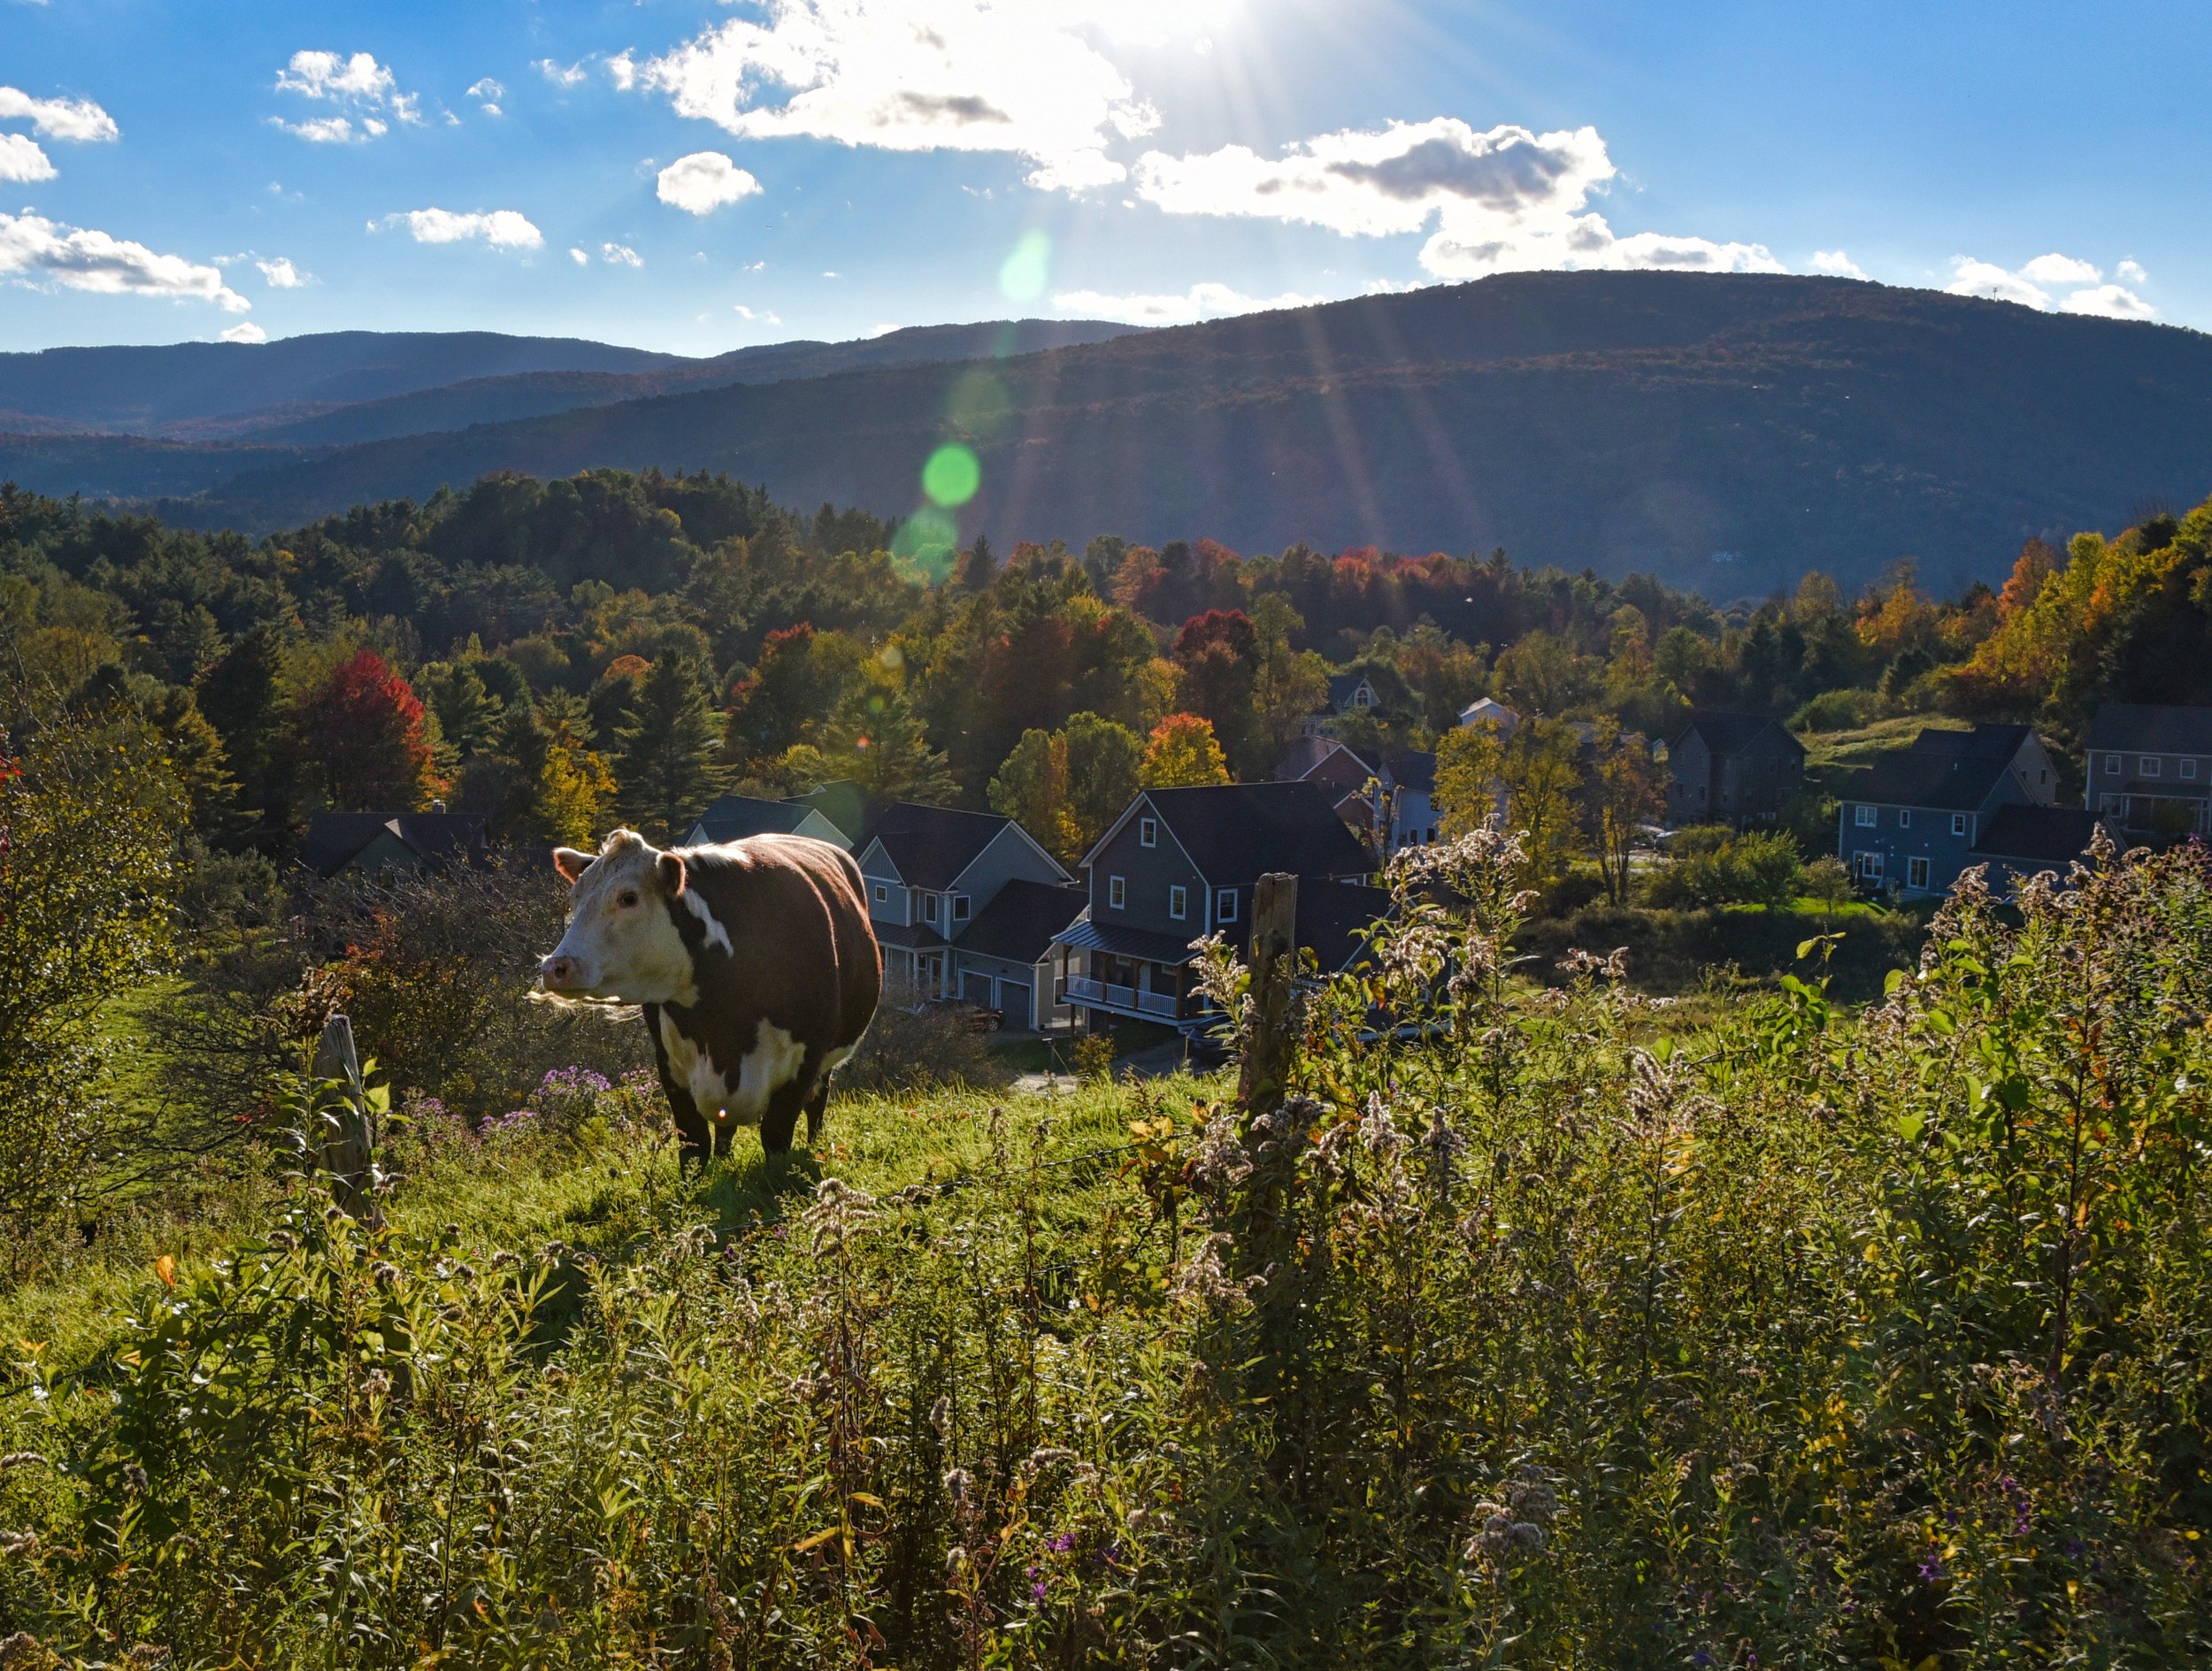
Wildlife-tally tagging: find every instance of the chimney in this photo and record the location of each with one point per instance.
(437, 806)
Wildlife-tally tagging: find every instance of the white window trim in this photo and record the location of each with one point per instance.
(883, 894)
(2189, 769)
(1224, 905)
(1904, 818)
(1958, 824)
(1177, 901)
(2112, 764)
(1118, 893)
(1913, 865)
(1147, 832)
(929, 907)
(959, 908)
(2150, 766)
(1865, 817)
(1866, 864)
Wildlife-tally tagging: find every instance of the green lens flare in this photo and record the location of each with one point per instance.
(952, 476)
(1026, 271)
(923, 548)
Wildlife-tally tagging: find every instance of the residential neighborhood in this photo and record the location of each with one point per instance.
(1735, 769)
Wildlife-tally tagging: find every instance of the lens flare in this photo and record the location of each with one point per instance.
(1028, 270)
(951, 476)
(923, 548)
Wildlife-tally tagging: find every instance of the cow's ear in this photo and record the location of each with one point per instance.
(570, 862)
(671, 869)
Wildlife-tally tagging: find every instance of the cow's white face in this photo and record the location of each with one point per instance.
(621, 945)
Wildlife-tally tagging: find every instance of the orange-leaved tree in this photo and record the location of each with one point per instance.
(1181, 752)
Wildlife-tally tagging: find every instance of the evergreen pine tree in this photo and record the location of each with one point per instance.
(667, 769)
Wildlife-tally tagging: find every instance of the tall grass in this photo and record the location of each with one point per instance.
(1511, 1340)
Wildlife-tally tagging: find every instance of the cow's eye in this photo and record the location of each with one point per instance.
(626, 897)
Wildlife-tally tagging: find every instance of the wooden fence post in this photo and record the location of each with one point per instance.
(346, 1145)
(1274, 964)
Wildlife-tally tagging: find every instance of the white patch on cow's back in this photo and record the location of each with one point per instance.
(716, 935)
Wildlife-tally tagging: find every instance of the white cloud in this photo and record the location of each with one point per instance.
(579, 257)
(758, 316)
(2057, 270)
(553, 72)
(77, 119)
(78, 258)
(704, 181)
(322, 130)
(2110, 301)
(620, 254)
(247, 331)
(22, 160)
(1837, 262)
(1201, 301)
(622, 71)
(501, 228)
(1974, 278)
(359, 82)
(1014, 76)
(2132, 271)
(486, 87)
(282, 275)
(1502, 200)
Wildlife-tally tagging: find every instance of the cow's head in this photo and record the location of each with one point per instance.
(621, 943)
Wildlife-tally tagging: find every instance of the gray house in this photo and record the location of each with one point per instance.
(2150, 769)
(1911, 821)
(1738, 768)
(734, 817)
(1180, 865)
(2019, 841)
(392, 843)
(931, 874)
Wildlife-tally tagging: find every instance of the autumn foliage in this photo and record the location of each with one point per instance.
(361, 738)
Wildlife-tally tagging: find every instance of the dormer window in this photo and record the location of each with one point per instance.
(1363, 697)
(1147, 832)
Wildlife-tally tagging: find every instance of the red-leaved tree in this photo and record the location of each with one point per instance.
(359, 736)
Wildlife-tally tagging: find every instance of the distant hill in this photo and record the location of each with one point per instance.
(1725, 432)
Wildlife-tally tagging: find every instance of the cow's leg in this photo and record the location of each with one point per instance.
(781, 1116)
(817, 1106)
(691, 1125)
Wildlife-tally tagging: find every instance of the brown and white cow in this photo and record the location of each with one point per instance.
(754, 962)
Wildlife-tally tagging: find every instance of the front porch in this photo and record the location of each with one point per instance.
(1129, 973)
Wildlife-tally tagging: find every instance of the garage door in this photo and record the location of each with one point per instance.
(975, 988)
(1013, 1001)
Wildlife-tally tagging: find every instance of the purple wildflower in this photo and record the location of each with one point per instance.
(1060, 1543)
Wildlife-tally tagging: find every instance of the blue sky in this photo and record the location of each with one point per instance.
(695, 177)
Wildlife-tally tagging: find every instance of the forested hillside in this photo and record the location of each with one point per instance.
(1724, 433)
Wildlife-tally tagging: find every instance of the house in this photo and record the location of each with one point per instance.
(845, 804)
(1488, 710)
(381, 843)
(1180, 865)
(1404, 783)
(2150, 768)
(1004, 956)
(1737, 769)
(734, 817)
(1911, 821)
(931, 873)
(2021, 840)
(1348, 694)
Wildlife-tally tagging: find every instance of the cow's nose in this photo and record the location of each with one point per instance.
(558, 972)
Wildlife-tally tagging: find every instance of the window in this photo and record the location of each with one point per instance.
(1363, 697)
(929, 907)
(2150, 765)
(882, 893)
(1916, 873)
(2115, 803)
(1224, 905)
(1118, 890)
(1866, 818)
(1147, 832)
(2112, 764)
(1867, 866)
(1958, 824)
(959, 908)
(1904, 818)
(1177, 903)
(2189, 768)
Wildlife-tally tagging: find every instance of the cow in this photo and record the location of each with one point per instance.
(754, 963)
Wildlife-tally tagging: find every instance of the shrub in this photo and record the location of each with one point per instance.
(1838, 710)
(1711, 865)
(913, 1044)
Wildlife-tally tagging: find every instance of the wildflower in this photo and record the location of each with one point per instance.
(941, 1417)
(1044, 1455)
(1202, 1280)
(956, 1558)
(376, 1383)
(135, 1475)
(1060, 1543)
(16, 1543)
(21, 1459)
(958, 1483)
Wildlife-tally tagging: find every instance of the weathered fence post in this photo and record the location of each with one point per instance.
(1274, 964)
(347, 1146)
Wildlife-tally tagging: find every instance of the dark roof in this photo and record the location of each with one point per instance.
(733, 817)
(1727, 734)
(1306, 752)
(1086, 936)
(2152, 728)
(932, 846)
(2042, 835)
(847, 805)
(1341, 686)
(1237, 833)
(1019, 925)
(917, 937)
(436, 838)
(1983, 742)
(1954, 782)
(1413, 771)
(1330, 916)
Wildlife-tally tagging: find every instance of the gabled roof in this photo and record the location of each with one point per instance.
(2152, 729)
(2039, 835)
(1950, 781)
(1488, 710)
(734, 817)
(1020, 925)
(335, 839)
(847, 805)
(933, 845)
(1306, 755)
(1412, 771)
(1988, 742)
(1237, 833)
(1343, 686)
(1728, 733)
